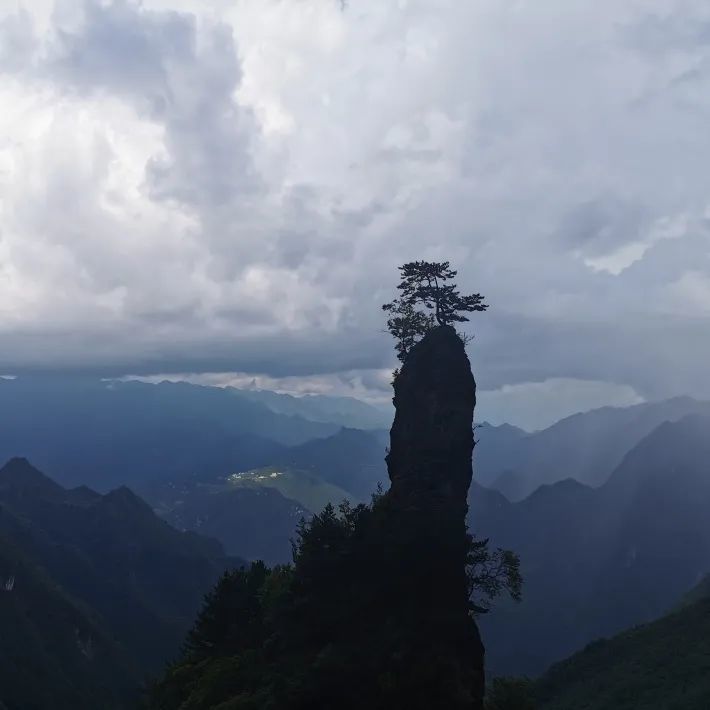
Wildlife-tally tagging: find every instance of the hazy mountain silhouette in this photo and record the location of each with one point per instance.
(255, 513)
(351, 459)
(586, 446)
(256, 522)
(596, 561)
(344, 411)
(104, 434)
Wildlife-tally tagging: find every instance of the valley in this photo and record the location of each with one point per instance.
(595, 560)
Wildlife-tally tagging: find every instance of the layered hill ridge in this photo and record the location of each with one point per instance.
(344, 411)
(55, 653)
(105, 434)
(92, 577)
(351, 459)
(663, 665)
(254, 521)
(255, 512)
(587, 446)
(596, 561)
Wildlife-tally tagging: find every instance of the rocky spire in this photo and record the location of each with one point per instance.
(429, 465)
(431, 441)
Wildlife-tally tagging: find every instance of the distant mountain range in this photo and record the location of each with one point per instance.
(607, 509)
(596, 561)
(351, 459)
(586, 447)
(96, 592)
(256, 521)
(255, 512)
(106, 434)
(328, 409)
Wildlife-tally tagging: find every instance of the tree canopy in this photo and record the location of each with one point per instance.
(323, 632)
(427, 299)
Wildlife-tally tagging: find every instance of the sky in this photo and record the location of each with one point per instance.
(223, 189)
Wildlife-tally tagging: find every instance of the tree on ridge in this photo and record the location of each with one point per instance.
(424, 286)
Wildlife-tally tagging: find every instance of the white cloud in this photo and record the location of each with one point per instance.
(223, 185)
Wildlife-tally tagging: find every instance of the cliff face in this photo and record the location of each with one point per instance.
(429, 464)
(431, 441)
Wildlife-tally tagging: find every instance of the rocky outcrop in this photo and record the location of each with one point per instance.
(430, 468)
(431, 440)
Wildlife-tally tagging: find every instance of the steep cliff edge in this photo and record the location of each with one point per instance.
(429, 465)
(431, 440)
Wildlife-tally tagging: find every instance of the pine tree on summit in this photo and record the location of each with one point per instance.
(424, 284)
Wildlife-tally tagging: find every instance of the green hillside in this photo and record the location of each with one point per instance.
(306, 488)
(664, 665)
(55, 653)
(96, 592)
(253, 513)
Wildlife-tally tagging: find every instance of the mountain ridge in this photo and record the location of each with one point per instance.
(587, 446)
(635, 670)
(596, 560)
(130, 580)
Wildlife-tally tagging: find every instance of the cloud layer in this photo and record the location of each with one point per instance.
(221, 186)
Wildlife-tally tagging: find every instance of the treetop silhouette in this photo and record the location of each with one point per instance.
(424, 285)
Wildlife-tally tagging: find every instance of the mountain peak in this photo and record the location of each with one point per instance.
(17, 463)
(431, 440)
(672, 448)
(19, 473)
(123, 498)
(559, 489)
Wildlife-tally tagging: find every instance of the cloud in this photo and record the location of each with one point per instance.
(216, 187)
(372, 386)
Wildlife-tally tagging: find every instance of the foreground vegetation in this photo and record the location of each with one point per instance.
(324, 631)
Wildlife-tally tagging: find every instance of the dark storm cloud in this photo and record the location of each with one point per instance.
(184, 82)
(602, 223)
(206, 187)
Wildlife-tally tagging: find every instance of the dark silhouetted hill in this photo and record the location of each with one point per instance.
(664, 665)
(55, 653)
(256, 522)
(98, 573)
